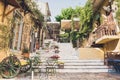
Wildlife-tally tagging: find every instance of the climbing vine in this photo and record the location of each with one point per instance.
(118, 11)
(86, 16)
(5, 35)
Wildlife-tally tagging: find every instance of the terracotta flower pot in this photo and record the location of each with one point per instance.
(26, 55)
(61, 66)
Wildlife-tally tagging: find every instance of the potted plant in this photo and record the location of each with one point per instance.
(36, 61)
(56, 48)
(60, 65)
(25, 52)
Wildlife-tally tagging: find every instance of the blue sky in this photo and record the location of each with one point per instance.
(57, 5)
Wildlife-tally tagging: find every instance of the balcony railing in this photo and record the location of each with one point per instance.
(105, 33)
(105, 30)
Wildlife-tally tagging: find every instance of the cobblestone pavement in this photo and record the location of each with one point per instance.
(71, 76)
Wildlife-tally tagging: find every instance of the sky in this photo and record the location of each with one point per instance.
(56, 6)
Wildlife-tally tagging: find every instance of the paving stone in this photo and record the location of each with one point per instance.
(75, 76)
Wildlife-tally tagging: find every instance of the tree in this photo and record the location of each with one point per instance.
(58, 18)
(65, 14)
(86, 20)
(86, 17)
(118, 11)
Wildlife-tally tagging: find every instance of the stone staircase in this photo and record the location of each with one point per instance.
(67, 51)
(74, 66)
(80, 60)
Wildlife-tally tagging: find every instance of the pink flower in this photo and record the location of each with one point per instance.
(55, 57)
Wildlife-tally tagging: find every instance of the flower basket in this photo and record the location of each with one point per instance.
(61, 65)
(55, 57)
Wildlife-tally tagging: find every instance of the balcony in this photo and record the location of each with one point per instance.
(105, 33)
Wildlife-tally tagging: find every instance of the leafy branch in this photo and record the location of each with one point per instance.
(86, 17)
(118, 11)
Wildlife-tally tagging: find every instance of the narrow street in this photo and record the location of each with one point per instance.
(59, 39)
(67, 53)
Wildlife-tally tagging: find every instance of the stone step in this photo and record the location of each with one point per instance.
(82, 70)
(72, 66)
(80, 61)
(83, 64)
(85, 67)
(76, 68)
(77, 61)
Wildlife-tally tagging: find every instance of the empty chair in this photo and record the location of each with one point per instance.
(51, 66)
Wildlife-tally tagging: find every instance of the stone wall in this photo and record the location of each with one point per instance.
(28, 24)
(91, 54)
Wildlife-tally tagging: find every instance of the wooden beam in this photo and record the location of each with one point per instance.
(5, 6)
(10, 11)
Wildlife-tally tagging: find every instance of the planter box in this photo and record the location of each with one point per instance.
(26, 55)
(61, 66)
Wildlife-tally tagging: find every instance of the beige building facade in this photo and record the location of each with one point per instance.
(106, 35)
(21, 27)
